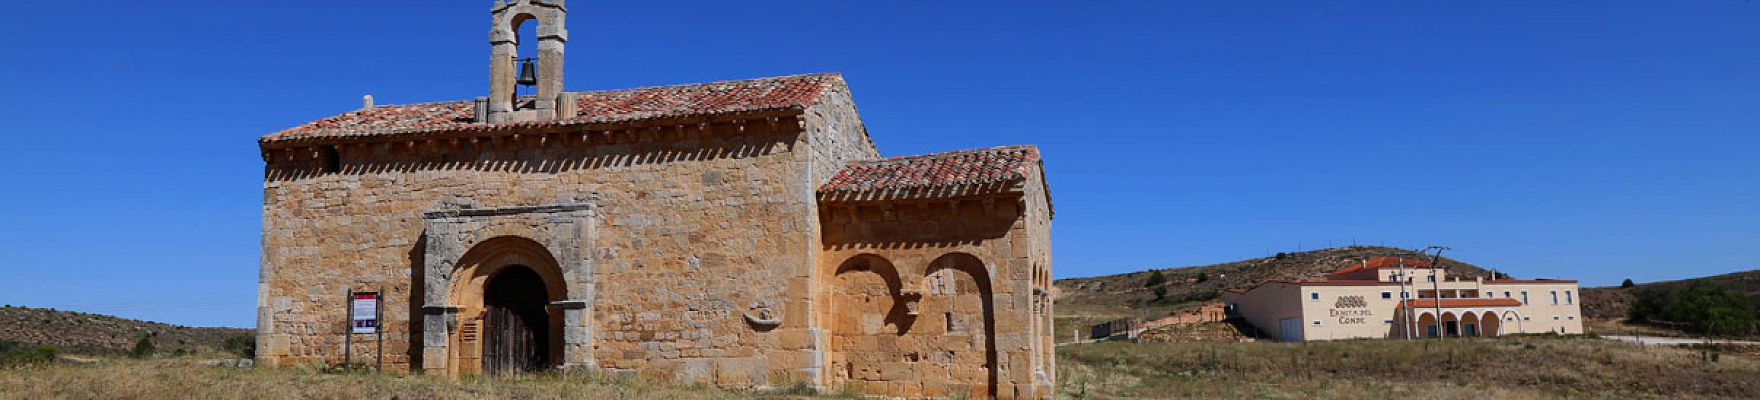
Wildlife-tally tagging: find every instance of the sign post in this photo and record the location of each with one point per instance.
(363, 317)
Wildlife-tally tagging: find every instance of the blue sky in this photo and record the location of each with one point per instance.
(1596, 140)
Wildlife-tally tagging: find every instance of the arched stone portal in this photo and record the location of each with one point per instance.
(532, 263)
(503, 288)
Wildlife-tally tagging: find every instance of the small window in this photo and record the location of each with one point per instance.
(1571, 317)
(1555, 318)
(1555, 297)
(1527, 318)
(1316, 322)
(1506, 294)
(1568, 299)
(1431, 278)
(1524, 297)
(1387, 321)
(1386, 295)
(1315, 296)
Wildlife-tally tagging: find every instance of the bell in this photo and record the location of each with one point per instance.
(528, 74)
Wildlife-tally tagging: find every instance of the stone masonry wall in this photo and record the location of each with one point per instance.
(701, 226)
(930, 257)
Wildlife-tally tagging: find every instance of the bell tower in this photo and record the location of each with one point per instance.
(508, 69)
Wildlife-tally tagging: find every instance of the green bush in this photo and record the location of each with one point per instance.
(1702, 307)
(14, 353)
(1628, 283)
(142, 348)
(243, 346)
(1155, 279)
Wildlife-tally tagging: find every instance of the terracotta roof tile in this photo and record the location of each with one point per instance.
(963, 168)
(1448, 303)
(795, 91)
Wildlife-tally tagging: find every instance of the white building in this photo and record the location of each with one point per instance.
(1388, 297)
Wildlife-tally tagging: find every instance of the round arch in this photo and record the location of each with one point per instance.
(865, 303)
(1427, 325)
(1469, 325)
(943, 280)
(470, 281)
(1451, 323)
(1490, 325)
(1512, 316)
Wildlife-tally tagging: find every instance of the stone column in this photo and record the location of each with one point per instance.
(552, 34)
(577, 334)
(438, 321)
(501, 70)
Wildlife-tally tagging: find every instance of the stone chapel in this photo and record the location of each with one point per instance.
(745, 234)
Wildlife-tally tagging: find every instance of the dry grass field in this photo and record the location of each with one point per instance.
(187, 378)
(1508, 368)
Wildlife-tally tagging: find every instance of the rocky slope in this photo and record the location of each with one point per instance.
(77, 332)
(1612, 302)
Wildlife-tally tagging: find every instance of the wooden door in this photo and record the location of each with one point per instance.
(513, 345)
(516, 323)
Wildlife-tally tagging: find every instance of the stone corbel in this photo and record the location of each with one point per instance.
(763, 317)
(912, 300)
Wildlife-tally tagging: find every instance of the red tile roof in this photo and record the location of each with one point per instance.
(623, 105)
(1530, 281)
(1451, 303)
(963, 169)
(1382, 262)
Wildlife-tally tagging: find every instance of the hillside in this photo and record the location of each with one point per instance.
(1612, 302)
(1085, 301)
(77, 332)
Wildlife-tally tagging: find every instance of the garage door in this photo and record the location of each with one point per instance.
(1291, 330)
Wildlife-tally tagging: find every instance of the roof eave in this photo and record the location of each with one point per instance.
(473, 130)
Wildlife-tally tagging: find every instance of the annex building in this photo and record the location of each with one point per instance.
(743, 234)
(1392, 297)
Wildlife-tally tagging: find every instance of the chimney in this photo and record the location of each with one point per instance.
(367, 102)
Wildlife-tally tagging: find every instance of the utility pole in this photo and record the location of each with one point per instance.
(1436, 284)
(1405, 309)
